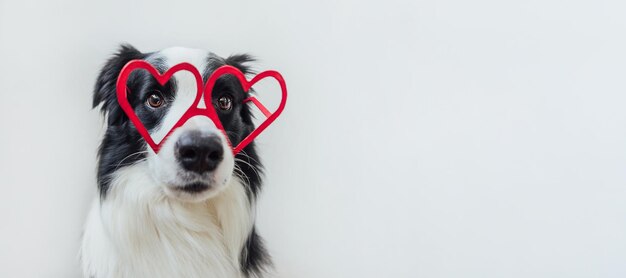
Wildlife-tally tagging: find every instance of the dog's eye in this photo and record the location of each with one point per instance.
(155, 100)
(225, 103)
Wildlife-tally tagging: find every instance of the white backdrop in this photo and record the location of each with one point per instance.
(421, 138)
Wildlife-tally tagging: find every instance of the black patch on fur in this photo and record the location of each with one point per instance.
(237, 122)
(254, 257)
(122, 145)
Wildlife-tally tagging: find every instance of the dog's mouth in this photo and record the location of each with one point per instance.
(192, 188)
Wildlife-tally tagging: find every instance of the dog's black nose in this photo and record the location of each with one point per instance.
(199, 152)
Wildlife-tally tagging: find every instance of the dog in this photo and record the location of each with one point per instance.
(188, 210)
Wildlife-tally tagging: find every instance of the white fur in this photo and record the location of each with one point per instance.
(138, 231)
(145, 227)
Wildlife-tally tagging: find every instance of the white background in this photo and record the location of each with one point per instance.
(421, 138)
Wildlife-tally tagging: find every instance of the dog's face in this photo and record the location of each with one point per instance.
(195, 161)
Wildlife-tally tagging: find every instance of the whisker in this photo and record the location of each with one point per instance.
(250, 165)
(128, 156)
(241, 175)
(249, 157)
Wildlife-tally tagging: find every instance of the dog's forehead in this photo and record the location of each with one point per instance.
(176, 55)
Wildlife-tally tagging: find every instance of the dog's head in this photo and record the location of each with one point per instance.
(195, 161)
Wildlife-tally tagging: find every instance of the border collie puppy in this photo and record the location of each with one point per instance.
(187, 211)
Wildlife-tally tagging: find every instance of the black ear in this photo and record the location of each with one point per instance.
(104, 90)
(241, 62)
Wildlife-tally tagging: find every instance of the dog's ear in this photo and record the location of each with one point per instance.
(105, 92)
(241, 62)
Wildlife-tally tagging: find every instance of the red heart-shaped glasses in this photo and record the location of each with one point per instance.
(206, 90)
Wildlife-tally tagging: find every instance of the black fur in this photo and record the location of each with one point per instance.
(120, 141)
(254, 257)
(122, 145)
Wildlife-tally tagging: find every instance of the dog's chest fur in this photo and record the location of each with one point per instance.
(138, 232)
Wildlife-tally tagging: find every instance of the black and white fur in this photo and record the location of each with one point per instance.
(153, 218)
